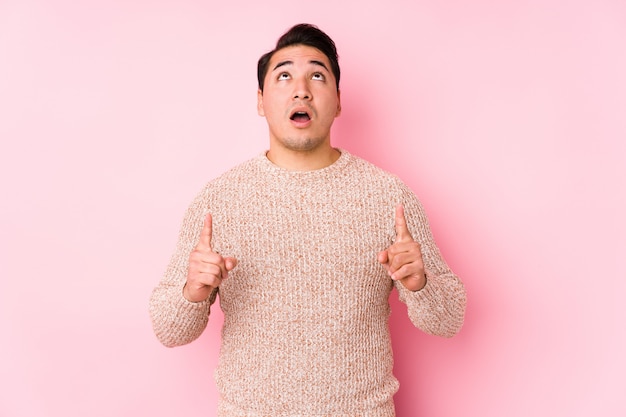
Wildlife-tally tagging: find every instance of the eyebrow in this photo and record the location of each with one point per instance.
(313, 61)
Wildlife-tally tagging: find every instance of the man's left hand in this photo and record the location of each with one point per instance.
(403, 259)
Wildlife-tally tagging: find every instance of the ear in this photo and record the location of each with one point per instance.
(338, 104)
(259, 103)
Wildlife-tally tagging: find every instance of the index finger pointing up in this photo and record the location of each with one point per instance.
(402, 230)
(207, 232)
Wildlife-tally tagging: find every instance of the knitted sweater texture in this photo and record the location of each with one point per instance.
(306, 309)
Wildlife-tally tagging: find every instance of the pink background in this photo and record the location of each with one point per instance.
(508, 118)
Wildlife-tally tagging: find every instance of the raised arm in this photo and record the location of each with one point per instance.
(434, 295)
(180, 304)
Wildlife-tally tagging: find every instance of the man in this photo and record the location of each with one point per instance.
(304, 244)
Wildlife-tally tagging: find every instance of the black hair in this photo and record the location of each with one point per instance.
(302, 34)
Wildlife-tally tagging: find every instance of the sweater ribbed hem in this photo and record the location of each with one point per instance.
(226, 409)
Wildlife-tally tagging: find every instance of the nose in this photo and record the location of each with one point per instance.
(302, 91)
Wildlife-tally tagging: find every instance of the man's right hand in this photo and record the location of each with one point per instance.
(207, 268)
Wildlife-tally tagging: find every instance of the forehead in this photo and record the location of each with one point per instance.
(298, 54)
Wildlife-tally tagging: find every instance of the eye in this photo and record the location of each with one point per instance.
(283, 76)
(318, 76)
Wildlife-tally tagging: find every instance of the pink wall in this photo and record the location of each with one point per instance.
(507, 118)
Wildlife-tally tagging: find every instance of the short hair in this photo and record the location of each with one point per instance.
(302, 34)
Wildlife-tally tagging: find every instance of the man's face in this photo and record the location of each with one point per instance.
(300, 99)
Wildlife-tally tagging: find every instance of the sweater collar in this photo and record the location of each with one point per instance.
(336, 166)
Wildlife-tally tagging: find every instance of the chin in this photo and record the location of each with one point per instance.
(302, 145)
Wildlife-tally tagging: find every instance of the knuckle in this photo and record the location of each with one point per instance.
(194, 264)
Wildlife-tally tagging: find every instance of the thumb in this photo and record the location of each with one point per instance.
(230, 263)
(402, 230)
(383, 257)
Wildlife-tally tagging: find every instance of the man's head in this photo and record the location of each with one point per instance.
(299, 97)
(302, 34)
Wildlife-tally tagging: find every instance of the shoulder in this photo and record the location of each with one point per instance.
(228, 184)
(368, 171)
(247, 169)
(381, 181)
(244, 172)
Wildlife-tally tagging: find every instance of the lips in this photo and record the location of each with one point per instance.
(300, 115)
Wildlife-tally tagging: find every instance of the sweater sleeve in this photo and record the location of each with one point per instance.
(175, 320)
(439, 307)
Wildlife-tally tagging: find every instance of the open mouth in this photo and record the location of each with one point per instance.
(300, 117)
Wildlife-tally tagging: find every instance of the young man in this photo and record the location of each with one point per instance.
(304, 244)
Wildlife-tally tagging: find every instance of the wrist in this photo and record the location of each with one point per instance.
(194, 296)
(415, 284)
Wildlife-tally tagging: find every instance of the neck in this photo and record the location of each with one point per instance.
(303, 160)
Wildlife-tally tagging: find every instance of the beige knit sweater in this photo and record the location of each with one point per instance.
(306, 310)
